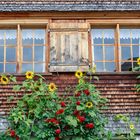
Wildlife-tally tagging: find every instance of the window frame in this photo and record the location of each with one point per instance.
(29, 24)
(117, 24)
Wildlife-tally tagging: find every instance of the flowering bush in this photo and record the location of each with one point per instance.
(42, 114)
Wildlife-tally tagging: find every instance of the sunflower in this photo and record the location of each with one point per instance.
(89, 104)
(131, 126)
(138, 61)
(52, 87)
(78, 74)
(29, 75)
(4, 80)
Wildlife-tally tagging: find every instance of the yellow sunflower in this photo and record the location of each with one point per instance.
(131, 126)
(29, 75)
(52, 87)
(4, 80)
(138, 61)
(89, 104)
(78, 74)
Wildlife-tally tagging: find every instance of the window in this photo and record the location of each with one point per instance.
(22, 49)
(115, 51)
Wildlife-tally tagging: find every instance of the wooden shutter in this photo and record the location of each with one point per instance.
(68, 47)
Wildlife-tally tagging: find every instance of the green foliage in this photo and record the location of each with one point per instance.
(41, 114)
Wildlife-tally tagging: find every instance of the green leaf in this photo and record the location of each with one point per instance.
(13, 79)
(71, 121)
(80, 107)
(92, 114)
(96, 78)
(16, 88)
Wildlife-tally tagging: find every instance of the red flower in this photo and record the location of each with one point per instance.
(57, 138)
(86, 92)
(60, 111)
(17, 138)
(77, 94)
(12, 133)
(58, 131)
(53, 120)
(90, 125)
(78, 102)
(63, 104)
(76, 112)
(81, 118)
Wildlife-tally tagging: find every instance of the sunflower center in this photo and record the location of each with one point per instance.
(29, 74)
(4, 79)
(52, 86)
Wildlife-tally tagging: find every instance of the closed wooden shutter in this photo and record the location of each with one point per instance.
(68, 47)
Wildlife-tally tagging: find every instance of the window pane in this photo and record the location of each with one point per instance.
(109, 53)
(39, 36)
(126, 53)
(10, 68)
(135, 52)
(27, 54)
(39, 53)
(1, 68)
(98, 53)
(99, 67)
(1, 37)
(1, 54)
(27, 67)
(108, 36)
(126, 66)
(27, 37)
(135, 36)
(10, 37)
(125, 36)
(110, 67)
(39, 68)
(97, 36)
(10, 54)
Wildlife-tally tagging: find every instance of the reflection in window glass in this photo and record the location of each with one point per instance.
(39, 53)
(39, 67)
(27, 54)
(11, 37)
(126, 66)
(110, 67)
(1, 67)
(99, 67)
(27, 37)
(10, 54)
(109, 53)
(27, 67)
(126, 53)
(10, 68)
(1, 54)
(98, 53)
(125, 36)
(39, 36)
(135, 52)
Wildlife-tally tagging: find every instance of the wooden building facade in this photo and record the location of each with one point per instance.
(55, 38)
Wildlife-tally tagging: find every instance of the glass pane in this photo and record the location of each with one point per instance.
(39, 68)
(10, 68)
(27, 67)
(39, 53)
(125, 36)
(135, 64)
(27, 54)
(1, 37)
(1, 54)
(109, 53)
(97, 36)
(110, 67)
(126, 66)
(98, 53)
(99, 67)
(27, 37)
(126, 53)
(11, 37)
(135, 36)
(39, 36)
(10, 54)
(108, 36)
(135, 52)
(1, 68)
